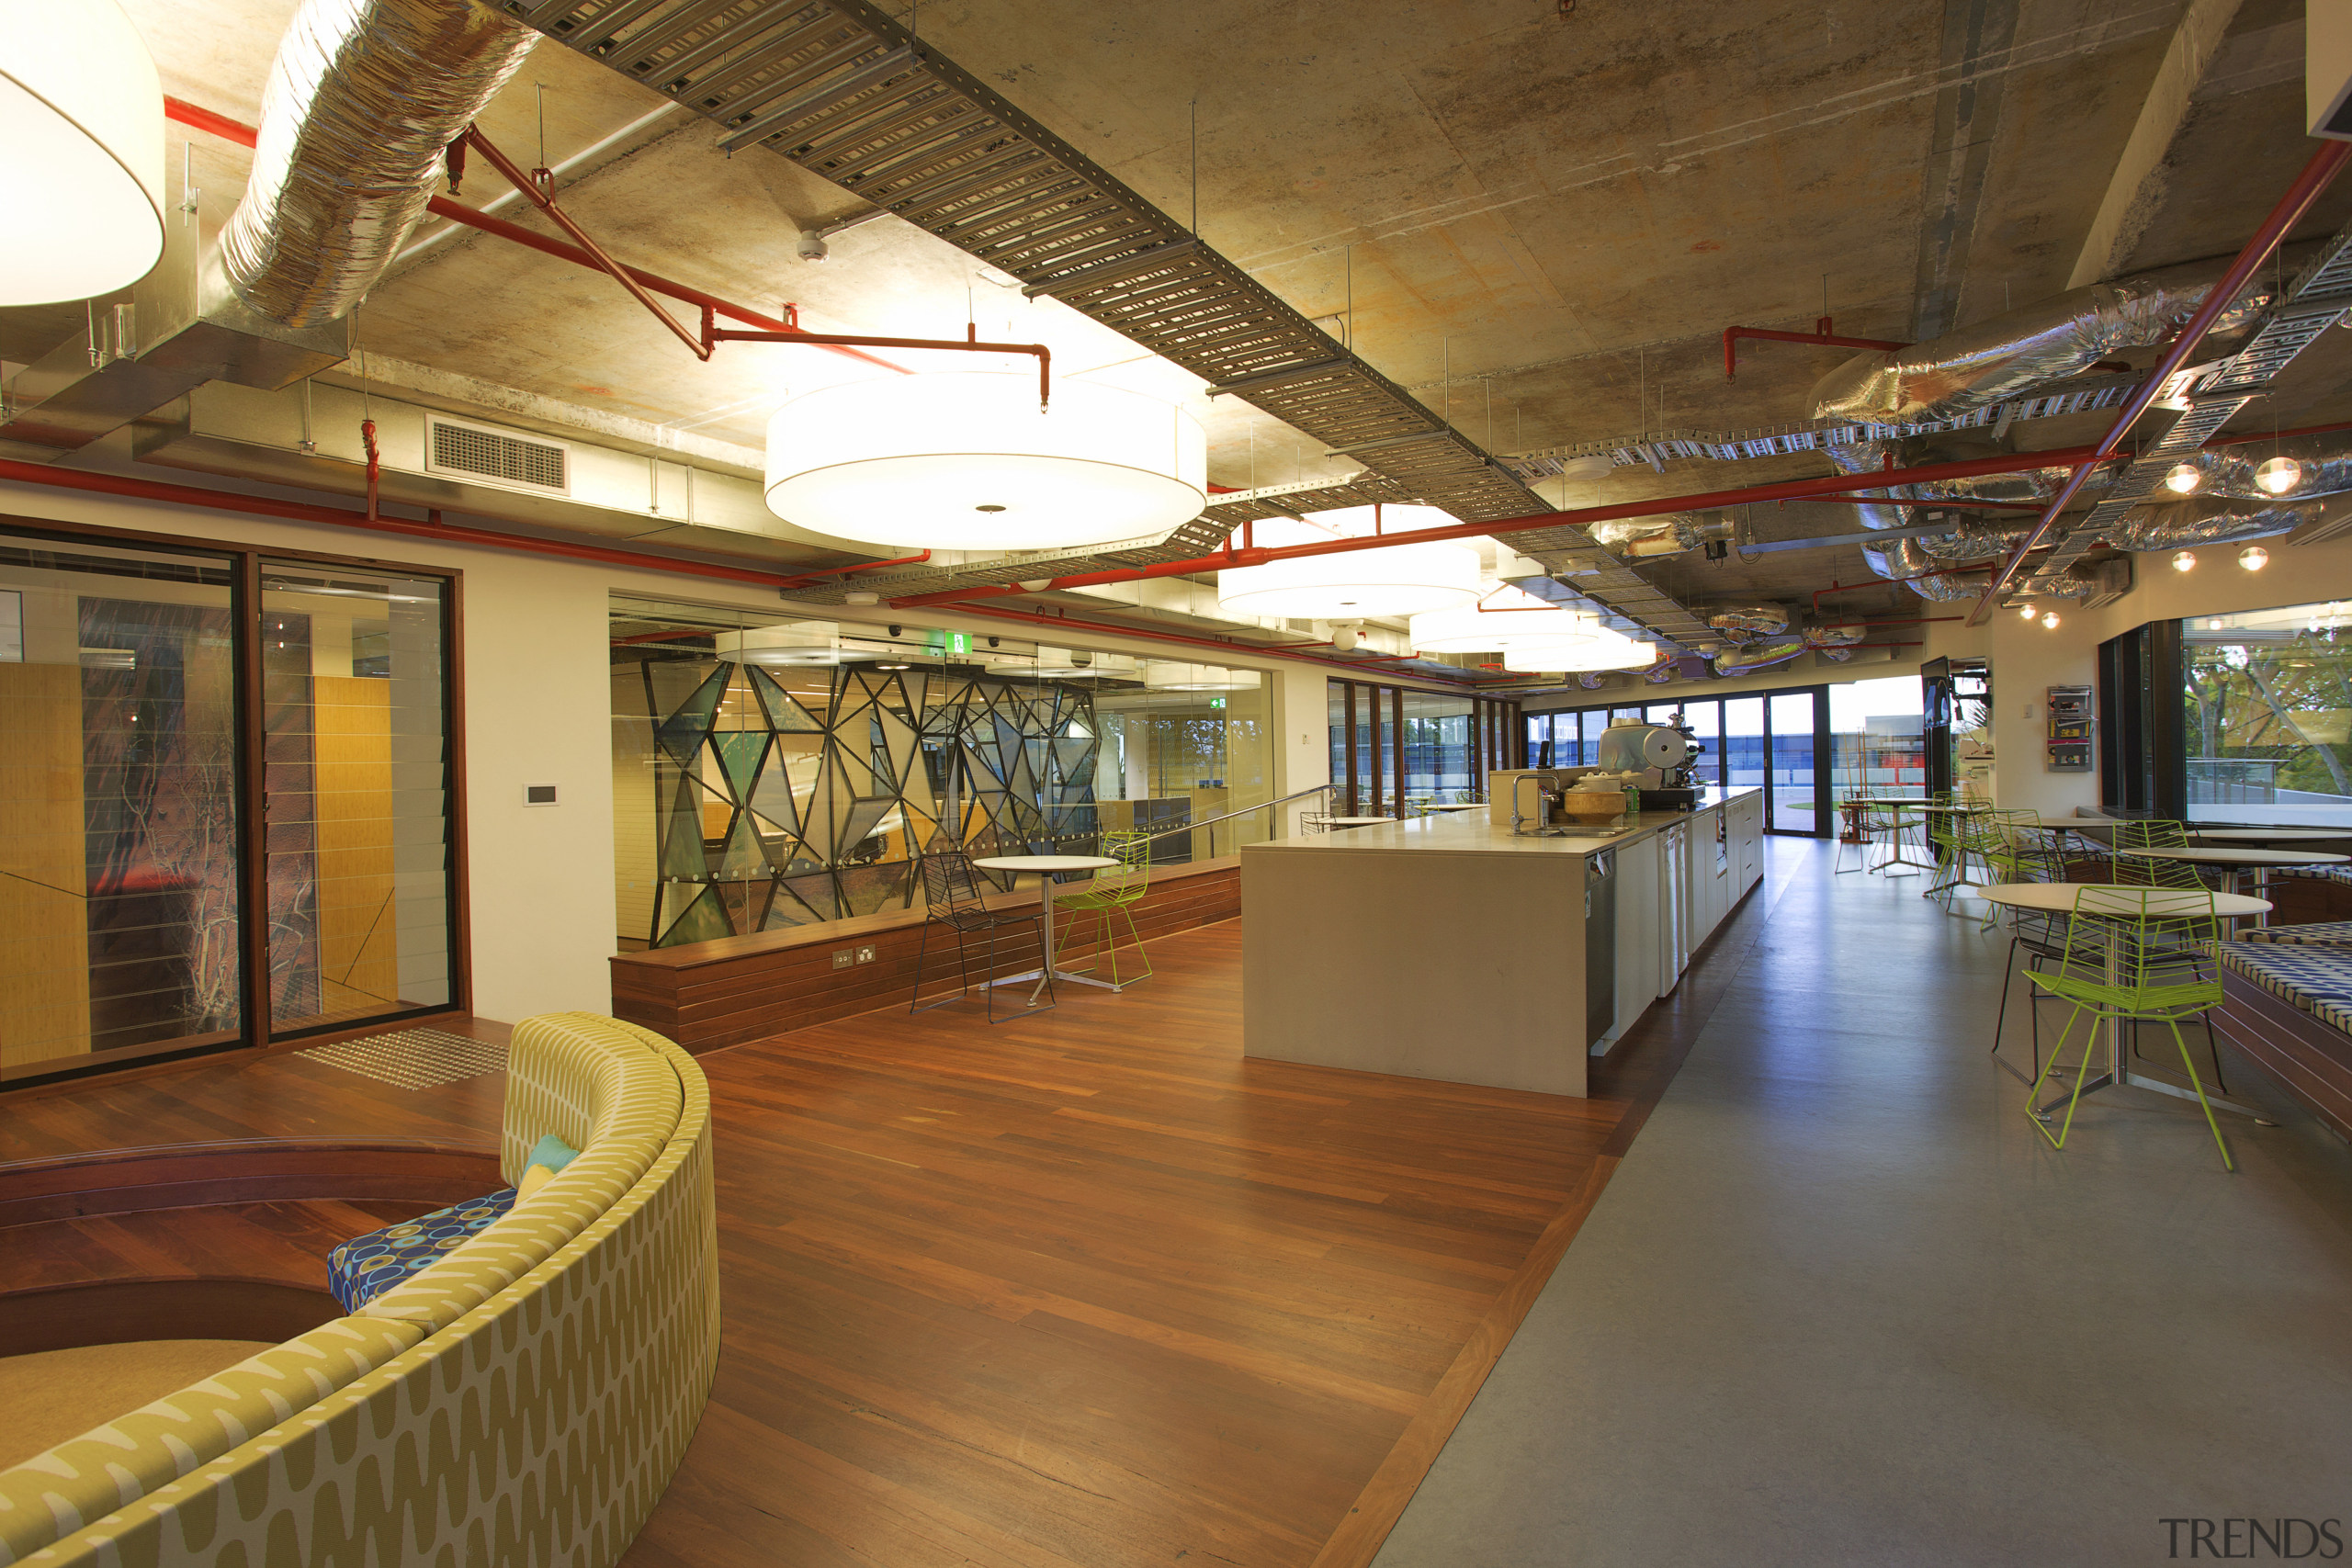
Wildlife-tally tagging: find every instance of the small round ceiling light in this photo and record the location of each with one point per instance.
(81, 152)
(2026, 611)
(1167, 675)
(2278, 476)
(803, 642)
(1505, 618)
(2183, 561)
(2182, 478)
(968, 461)
(2253, 557)
(1399, 580)
(2049, 621)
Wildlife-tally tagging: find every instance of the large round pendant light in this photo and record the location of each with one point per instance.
(1608, 650)
(967, 461)
(1507, 617)
(81, 152)
(1398, 579)
(1168, 675)
(799, 642)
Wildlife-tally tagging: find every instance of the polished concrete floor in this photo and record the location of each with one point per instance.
(1841, 1304)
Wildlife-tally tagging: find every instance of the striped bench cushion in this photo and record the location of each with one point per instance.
(2321, 933)
(2314, 978)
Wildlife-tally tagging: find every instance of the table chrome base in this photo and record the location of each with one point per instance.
(2134, 1080)
(1039, 975)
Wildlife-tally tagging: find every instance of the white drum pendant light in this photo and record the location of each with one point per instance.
(1166, 675)
(1608, 650)
(967, 462)
(802, 642)
(81, 152)
(1399, 580)
(1507, 617)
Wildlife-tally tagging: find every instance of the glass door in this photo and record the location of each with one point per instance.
(1797, 755)
(119, 791)
(225, 798)
(357, 795)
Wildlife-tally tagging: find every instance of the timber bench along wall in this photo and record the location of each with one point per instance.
(706, 995)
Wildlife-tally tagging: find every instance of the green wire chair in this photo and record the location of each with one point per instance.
(1113, 892)
(2154, 833)
(2133, 955)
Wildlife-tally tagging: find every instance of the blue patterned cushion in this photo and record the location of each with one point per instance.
(2321, 933)
(2315, 979)
(366, 1266)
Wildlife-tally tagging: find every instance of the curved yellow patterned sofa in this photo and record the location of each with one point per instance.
(523, 1400)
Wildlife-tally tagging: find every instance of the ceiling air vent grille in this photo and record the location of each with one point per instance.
(464, 449)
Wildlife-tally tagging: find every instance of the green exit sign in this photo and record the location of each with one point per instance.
(949, 642)
(1216, 702)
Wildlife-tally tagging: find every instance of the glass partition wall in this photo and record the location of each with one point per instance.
(1395, 747)
(774, 775)
(225, 779)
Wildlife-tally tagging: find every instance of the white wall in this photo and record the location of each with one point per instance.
(539, 710)
(1301, 734)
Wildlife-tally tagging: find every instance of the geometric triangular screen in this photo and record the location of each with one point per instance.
(790, 800)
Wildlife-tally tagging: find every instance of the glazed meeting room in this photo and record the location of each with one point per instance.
(807, 784)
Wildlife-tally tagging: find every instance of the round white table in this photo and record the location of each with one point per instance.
(2257, 860)
(1452, 806)
(1356, 821)
(1045, 866)
(2059, 899)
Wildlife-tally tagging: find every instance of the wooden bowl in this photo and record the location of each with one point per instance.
(1592, 805)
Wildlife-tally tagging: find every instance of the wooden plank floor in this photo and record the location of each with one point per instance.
(1083, 1288)
(1090, 1289)
(275, 1093)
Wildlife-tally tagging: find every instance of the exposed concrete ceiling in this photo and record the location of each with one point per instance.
(1537, 217)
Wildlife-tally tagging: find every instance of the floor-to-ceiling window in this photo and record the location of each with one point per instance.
(2265, 707)
(1393, 748)
(224, 798)
(1776, 741)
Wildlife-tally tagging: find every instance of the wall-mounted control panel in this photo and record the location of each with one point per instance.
(2070, 719)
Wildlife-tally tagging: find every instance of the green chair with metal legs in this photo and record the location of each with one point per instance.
(2152, 833)
(2127, 964)
(1112, 894)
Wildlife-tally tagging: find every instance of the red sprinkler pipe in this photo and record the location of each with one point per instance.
(534, 191)
(1824, 336)
(306, 512)
(1792, 490)
(375, 466)
(2316, 177)
(227, 129)
(970, 343)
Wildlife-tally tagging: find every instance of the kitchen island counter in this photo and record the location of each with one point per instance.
(1447, 947)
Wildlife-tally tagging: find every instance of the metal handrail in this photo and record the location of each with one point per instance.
(1227, 816)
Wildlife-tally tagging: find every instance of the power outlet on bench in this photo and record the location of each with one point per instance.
(842, 958)
(865, 955)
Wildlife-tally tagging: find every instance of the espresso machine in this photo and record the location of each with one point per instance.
(1662, 755)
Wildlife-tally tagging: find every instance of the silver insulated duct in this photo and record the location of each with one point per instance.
(2012, 353)
(1981, 365)
(363, 98)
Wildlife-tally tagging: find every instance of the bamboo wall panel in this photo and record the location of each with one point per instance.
(44, 915)
(358, 947)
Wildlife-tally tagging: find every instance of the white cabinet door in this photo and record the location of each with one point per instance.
(1637, 934)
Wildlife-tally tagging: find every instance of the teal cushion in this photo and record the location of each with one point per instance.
(551, 1152)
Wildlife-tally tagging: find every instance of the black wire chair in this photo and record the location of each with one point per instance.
(950, 891)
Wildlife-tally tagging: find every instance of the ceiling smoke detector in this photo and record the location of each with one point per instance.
(812, 245)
